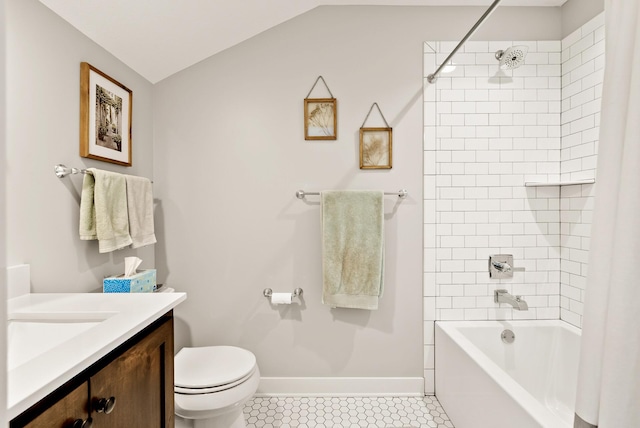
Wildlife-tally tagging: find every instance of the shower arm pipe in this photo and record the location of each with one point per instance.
(433, 76)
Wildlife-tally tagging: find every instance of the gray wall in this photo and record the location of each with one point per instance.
(576, 13)
(230, 154)
(3, 308)
(43, 71)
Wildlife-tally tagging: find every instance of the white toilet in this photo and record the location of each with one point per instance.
(213, 383)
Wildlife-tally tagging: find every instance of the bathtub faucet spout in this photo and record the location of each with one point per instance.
(502, 296)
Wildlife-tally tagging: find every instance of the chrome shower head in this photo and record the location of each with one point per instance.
(512, 57)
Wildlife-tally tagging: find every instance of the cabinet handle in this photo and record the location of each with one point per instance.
(104, 405)
(79, 423)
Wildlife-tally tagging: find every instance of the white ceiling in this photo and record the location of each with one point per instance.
(158, 38)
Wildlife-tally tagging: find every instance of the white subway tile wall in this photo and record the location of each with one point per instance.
(494, 130)
(582, 76)
(430, 217)
(487, 131)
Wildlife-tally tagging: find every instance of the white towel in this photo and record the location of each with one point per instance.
(140, 207)
(103, 210)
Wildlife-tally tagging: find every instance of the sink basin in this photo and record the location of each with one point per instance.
(29, 337)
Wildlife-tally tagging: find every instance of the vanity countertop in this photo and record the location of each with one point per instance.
(108, 319)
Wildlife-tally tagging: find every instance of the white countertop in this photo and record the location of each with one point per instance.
(121, 316)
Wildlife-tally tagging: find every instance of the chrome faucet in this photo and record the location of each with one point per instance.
(501, 266)
(502, 296)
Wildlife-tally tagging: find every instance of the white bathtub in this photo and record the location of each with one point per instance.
(484, 383)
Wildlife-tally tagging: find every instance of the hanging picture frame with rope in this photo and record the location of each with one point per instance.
(320, 116)
(376, 144)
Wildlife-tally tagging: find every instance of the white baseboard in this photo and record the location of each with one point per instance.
(341, 386)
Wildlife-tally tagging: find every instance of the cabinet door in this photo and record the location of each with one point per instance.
(64, 413)
(141, 381)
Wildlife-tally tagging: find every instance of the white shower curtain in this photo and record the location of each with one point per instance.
(609, 378)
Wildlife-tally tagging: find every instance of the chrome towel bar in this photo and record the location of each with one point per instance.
(63, 171)
(402, 194)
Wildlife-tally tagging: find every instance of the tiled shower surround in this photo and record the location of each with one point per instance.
(582, 75)
(487, 132)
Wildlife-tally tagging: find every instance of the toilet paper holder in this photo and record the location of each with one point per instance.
(296, 293)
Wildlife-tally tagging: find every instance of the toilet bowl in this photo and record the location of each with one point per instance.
(213, 383)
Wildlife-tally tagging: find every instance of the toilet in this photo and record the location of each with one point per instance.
(212, 384)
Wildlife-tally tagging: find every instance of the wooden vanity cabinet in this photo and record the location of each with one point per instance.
(130, 387)
(65, 412)
(141, 380)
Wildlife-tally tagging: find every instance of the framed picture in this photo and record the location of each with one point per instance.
(320, 119)
(375, 148)
(105, 117)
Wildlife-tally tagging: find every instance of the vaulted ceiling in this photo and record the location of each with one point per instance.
(158, 38)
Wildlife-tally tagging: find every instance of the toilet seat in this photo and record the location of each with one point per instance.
(212, 389)
(210, 369)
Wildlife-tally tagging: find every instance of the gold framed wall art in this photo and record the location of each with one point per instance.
(320, 115)
(106, 108)
(320, 122)
(376, 148)
(376, 144)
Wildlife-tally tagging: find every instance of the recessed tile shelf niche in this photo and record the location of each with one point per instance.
(558, 183)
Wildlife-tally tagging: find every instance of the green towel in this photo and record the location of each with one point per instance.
(88, 209)
(352, 248)
(140, 208)
(103, 210)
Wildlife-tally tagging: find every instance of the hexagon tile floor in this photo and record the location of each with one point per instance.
(345, 412)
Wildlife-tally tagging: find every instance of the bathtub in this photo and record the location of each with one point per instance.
(484, 383)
